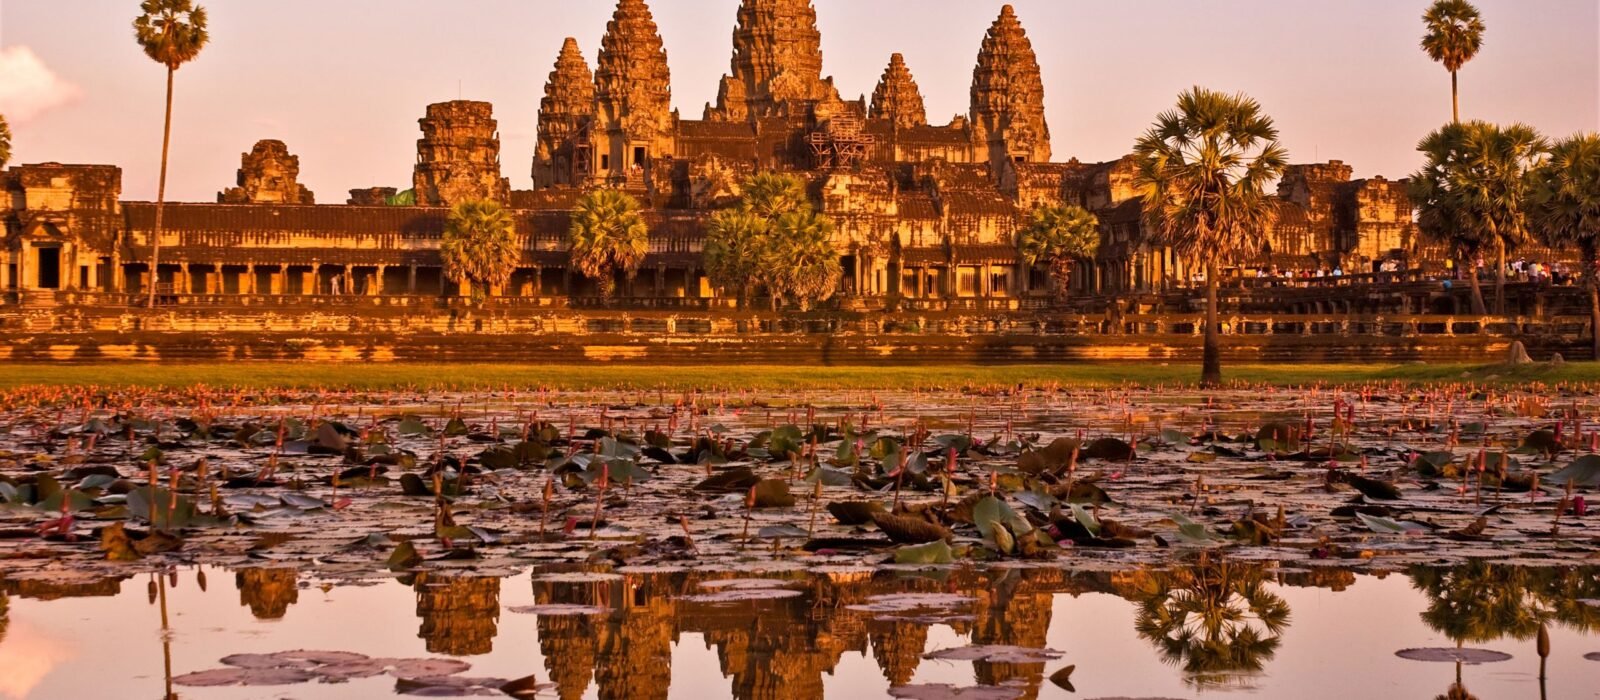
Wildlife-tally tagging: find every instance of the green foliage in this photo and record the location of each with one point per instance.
(1204, 169)
(774, 238)
(1473, 189)
(171, 32)
(1564, 205)
(1455, 33)
(735, 241)
(407, 198)
(5, 141)
(607, 236)
(479, 246)
(1059, 236)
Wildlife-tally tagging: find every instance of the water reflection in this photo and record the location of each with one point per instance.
(1481, 602)
(1219, 623)
(268, 592)
(460, 614)
(1216, 620)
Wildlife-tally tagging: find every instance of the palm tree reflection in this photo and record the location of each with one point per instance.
(1215, 619)
(1481, 602)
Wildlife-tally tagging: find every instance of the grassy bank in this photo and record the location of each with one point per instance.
(466, 376)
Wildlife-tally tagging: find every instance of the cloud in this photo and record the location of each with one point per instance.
(28, 88)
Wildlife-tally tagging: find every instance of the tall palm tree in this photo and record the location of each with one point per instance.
(172, 33)
(803, 263)
(736, 240)
(607, 236)
(1474, 189)
(1060, 237)
(479, 247)
(769, 195)
(1455, 35)
(1565, 210)
(5, 141)
(1204, 168)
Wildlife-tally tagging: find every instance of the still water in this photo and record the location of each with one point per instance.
(1206, 629)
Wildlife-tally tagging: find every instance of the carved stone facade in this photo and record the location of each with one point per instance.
(565, 115)
(926, 215)
(458, 156)
(777, 63)
(1008, 95)
(897, 97)
(268, 174)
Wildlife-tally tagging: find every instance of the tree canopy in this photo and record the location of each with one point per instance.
(1059, 237)
(607, 236)
(479, 246)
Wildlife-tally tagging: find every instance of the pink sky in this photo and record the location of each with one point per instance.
(344, 82)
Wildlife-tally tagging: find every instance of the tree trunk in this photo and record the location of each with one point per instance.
(1061, 273)
(161, 196)
(1594, 301)
(1500, 277)
(1211, 358)
(1455, 99)
(1478, 307)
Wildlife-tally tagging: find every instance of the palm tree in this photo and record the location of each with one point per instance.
(5, 141)
(479, 247)
(607, 236)
(770, 194)
(802, 262)
(1204, 168)
(1474, 189)
(1442, 216)
(1215, 619)
(1565, 210)
(736, 239)
(1060, 236)
(172, 33)
(1455, 35)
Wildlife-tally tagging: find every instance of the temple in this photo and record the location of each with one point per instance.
(926, 214)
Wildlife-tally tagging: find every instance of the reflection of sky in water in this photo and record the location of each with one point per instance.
(1337, 645)
(28, 653)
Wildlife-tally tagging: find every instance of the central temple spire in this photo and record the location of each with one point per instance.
(777, 60)
(633, 84)
(1008, 94)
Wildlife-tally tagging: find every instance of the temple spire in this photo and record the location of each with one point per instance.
(1008, 94)
(565, 111)
(897, 97)
(633, 85)
(777, 60)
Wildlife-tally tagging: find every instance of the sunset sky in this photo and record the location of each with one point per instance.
(343, 82)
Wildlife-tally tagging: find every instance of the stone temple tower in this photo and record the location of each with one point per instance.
(777, 62)
(634, 122)
(268, 174)
(897, 97)
(458, 156)
(564, 116)
(1008, 95)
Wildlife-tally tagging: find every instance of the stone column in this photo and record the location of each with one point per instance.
(187, 283)
(411, 279)
(377, 285)
(249, 284)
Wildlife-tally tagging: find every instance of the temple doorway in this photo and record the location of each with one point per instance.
(49, 268)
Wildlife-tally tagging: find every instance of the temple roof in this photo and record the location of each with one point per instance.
(897, 97)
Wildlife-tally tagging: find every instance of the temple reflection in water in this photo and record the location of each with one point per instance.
(608, 634)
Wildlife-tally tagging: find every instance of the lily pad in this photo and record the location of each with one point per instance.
(1464, 655)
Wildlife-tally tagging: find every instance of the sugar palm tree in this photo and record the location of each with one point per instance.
(479, 247)
(1203, 169)
(802, 262)
(1060, 237)
(770, 194)
(5, 142)
(172, 33)
(607, 236)
(1215, 619)
(1565, 210)
(1455, 35)
(736, 241)
(1474, 189)
(1441, 215)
